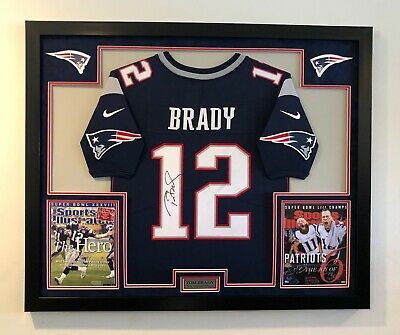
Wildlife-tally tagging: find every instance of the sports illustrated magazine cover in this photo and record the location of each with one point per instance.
(80, 244)
(315, 244)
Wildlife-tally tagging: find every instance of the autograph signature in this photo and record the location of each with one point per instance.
(170, 193)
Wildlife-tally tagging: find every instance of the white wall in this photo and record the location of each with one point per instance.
(384, 316)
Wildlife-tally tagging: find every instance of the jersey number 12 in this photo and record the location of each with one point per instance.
(170, 225)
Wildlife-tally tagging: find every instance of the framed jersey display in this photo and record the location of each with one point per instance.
(185, 166)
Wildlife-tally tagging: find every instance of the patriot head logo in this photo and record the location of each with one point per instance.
(103, 140)
(77, 58)
(323, 62)
(300, 141)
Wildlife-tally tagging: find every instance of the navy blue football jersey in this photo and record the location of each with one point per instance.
(60, 235)
(79, 235)
(199, 153)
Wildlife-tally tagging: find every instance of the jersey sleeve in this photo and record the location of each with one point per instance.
(288, 144)
(112, 143)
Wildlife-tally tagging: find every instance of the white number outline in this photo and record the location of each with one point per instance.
(132, 70)
(228, 182)
(181, 225)
(160, 195)
(275, 78)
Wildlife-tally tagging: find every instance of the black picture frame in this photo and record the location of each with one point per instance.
(359, 297)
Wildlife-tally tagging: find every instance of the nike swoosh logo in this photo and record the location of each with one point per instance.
(294, 116)
(106, 114)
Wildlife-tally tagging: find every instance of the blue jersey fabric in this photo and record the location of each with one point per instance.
(241, 108)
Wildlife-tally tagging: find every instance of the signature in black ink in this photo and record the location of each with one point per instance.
(170, 193)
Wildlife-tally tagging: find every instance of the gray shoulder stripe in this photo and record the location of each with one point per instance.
(112, 86)
(201, 76)
(288, 88)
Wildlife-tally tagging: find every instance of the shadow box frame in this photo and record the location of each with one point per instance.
(229, 36)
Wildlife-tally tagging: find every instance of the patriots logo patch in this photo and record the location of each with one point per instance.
(77, 58)
(300, 141)
(323, 62)
(103, 140)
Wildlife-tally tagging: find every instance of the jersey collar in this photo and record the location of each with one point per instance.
(201, 73)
